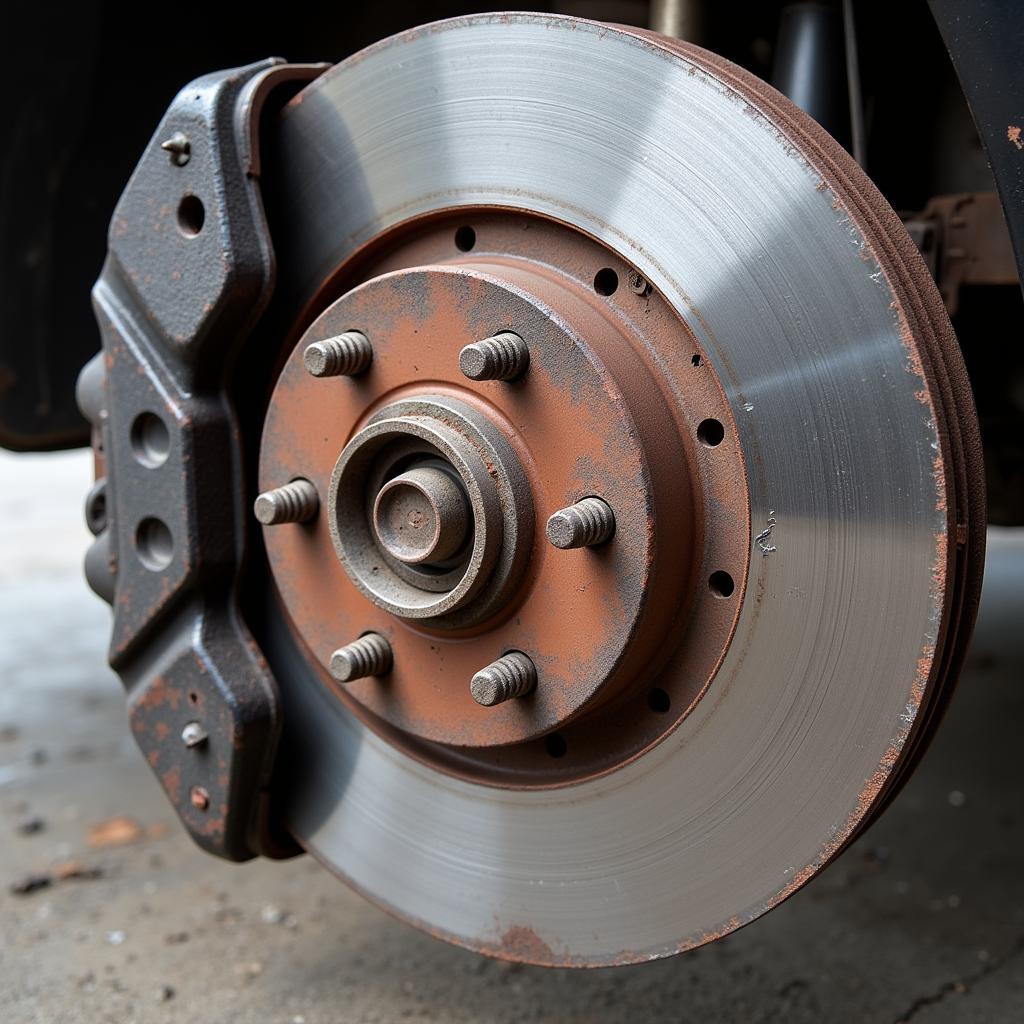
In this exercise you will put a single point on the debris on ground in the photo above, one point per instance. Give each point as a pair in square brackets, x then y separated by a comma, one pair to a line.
[29, 884]
[75, 870]
[117, 831]
[271, 914]
[71, 870]
[223, 914]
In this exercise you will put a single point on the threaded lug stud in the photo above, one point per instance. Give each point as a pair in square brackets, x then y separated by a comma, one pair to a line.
[370, 655]
[296, 502]
[512, 675]
[587, 523]
[501, 357]
[344, 356]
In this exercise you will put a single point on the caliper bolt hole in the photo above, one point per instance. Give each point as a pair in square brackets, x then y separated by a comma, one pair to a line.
[191, 216]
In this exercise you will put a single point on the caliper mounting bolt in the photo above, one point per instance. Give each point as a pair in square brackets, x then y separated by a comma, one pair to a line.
[179, 148]
[504, 356]
[194, 735]
[587, 523]
[370, 655]
[512, 675]
[296, 502]
[346, 355]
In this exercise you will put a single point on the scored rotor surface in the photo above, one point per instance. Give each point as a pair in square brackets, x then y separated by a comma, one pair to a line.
[765, 256]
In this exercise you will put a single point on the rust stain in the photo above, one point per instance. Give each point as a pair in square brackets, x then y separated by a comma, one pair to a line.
[522, 943]
[611, 407]
[117, 831]
[171, 781]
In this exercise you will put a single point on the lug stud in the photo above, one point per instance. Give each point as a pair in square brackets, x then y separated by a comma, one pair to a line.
[296, 502]
[512, 675]
[370, 655]
[504, 356]
[194, 735]
[346, 355]
[587, 523]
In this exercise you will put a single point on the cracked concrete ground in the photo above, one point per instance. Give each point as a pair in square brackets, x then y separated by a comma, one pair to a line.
[921, 920]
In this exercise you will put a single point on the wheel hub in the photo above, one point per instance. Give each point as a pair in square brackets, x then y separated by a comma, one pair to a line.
[510, 394]
[428, 504]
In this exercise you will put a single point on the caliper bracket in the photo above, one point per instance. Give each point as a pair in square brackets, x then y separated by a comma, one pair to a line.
[189, 271]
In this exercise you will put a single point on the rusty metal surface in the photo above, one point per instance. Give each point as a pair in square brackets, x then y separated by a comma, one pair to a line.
[611, 404]
[188, 271]
[854, 420]
[964, 241]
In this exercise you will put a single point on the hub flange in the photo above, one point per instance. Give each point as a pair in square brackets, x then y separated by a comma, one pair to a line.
[571, 411]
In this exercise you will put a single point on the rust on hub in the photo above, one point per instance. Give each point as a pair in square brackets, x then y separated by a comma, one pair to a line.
[432, 477]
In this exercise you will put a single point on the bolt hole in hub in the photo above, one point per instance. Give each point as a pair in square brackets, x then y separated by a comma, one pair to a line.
[516, 499]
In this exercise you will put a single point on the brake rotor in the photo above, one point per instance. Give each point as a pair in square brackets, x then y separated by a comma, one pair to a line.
[695, 311]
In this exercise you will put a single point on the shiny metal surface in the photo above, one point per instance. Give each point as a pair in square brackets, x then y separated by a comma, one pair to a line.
[824, 678]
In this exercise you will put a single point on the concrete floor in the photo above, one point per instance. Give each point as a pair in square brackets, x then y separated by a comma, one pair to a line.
[922, 920]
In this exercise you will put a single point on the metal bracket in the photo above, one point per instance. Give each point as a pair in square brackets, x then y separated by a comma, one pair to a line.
[189, 271]
[964, 241]
[984, 38]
